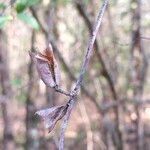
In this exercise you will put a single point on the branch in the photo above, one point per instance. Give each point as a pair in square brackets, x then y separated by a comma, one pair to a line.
[73, 94]
[90, 45]
[34, 13]
[82, 72]
[59, 90]
[65, 123]
[105, 71]
[71, 75]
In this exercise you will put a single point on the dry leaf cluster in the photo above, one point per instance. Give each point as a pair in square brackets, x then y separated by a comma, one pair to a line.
[49, 72]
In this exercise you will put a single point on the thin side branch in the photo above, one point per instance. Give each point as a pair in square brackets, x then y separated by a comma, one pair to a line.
[104, 69]
[59, 90]
[90, 44]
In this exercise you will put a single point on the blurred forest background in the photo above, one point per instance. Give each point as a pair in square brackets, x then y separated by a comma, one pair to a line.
[113, 109]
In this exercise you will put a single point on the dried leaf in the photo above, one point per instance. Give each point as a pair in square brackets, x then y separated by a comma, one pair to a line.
[43, 69]
[47, 66]
[52, 61]
[45, 73]
[50, 116]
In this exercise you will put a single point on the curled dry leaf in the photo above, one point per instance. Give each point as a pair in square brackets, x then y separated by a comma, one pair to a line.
[47, 66]
[50, 116]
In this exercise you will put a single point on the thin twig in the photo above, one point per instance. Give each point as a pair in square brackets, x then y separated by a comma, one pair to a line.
[34, 13]
[73, 94]
[83, 69]
[65, 123]
[71, 75]
[90, 44]
[59, 90]
[56, 88]
[104, 70]
[145, 38]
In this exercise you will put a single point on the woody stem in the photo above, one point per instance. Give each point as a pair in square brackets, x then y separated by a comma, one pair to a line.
[59, 90]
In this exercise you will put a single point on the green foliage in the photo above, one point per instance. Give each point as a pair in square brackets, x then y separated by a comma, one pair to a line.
[16, 82]
[32, 2]
[21, 97]
[2, 6]
[4, 20]
[21, 5]
[28, 19]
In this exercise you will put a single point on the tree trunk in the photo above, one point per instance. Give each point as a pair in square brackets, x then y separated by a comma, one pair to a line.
[8, 139]
[32, 142]
[138, 70]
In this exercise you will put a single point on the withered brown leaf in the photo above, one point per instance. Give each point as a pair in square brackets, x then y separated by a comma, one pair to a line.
[51, 115]
[47, 66]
